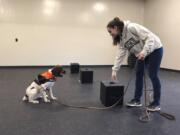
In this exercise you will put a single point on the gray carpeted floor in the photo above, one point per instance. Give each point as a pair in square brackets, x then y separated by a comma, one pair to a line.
[19, 118]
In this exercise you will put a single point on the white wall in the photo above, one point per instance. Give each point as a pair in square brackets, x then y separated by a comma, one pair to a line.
[61, 31]
[163, 17]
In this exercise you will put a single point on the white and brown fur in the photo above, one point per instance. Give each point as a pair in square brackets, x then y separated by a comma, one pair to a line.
[41, 87]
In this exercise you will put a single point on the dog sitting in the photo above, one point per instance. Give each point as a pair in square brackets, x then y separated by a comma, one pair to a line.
[41, 87]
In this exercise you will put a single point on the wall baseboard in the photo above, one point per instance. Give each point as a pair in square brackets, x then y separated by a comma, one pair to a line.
[83, 66]
[50, 66]
[173, 70]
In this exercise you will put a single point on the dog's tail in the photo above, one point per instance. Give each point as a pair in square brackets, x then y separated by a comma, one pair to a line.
[25, 98]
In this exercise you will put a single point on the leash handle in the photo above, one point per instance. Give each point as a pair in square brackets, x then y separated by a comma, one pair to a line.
[167, 115]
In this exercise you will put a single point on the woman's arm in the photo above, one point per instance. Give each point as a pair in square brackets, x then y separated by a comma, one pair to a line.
[120, 55]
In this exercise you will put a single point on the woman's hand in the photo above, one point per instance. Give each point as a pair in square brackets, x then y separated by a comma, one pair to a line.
[141, 56]
[114, 76]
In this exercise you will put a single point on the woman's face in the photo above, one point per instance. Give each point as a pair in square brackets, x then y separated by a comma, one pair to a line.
[113, 31]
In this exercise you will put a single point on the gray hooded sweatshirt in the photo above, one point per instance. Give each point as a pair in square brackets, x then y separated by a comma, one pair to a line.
[135, 38]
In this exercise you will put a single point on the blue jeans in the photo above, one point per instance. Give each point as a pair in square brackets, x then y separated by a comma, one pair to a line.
[152, 62]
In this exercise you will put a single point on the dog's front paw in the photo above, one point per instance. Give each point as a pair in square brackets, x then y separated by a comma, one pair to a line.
[34, 102]
[47, 101]
[54, 98]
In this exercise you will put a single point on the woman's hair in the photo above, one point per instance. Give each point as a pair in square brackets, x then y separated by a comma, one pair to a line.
[116, 22]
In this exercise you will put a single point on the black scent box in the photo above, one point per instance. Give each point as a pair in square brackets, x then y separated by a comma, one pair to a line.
[111, 92]
[74, 68]
[86, 76]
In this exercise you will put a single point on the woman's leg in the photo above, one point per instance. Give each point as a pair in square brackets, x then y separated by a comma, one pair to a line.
[140, 67]
[153, 67]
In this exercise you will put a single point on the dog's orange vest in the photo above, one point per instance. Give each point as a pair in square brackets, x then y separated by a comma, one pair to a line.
[48, 75]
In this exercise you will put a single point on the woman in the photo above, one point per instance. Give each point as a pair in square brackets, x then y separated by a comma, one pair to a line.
[147, 47]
